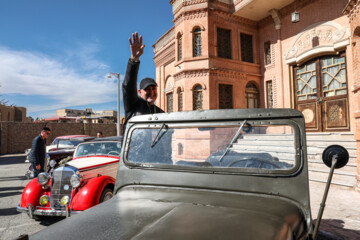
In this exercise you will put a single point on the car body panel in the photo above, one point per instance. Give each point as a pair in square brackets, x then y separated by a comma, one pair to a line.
[89, 195]
[179, 213]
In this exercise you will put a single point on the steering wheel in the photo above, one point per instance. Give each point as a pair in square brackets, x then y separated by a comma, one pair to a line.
[113, 153]
[261, 162]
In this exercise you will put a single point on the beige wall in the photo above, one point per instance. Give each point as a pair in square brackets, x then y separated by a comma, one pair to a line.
[17, 136]
[13, 113]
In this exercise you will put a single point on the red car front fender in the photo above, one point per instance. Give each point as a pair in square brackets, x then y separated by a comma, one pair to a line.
[89, 195]
[32, 193]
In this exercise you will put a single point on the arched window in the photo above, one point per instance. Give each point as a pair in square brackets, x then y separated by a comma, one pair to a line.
[180, 100]
[197, 42]
[252, 96]
[179, 47]
[198, 98]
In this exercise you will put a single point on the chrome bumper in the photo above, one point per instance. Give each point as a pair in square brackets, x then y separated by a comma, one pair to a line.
[46, 212]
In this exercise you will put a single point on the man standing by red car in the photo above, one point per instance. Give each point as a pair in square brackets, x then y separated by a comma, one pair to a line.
[38, 151]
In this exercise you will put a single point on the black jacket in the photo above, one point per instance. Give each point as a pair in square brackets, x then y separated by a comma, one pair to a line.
[38, 151]
[133, 104]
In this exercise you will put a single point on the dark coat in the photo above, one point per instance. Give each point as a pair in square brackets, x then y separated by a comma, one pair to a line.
[133, 104]
[38, 151]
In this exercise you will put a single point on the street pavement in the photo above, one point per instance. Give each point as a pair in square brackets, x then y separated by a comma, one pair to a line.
[341, 218]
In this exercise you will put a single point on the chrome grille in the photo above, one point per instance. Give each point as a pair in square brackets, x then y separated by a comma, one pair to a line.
[61, 178]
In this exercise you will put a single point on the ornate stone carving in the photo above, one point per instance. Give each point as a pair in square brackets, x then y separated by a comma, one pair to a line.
[327, 33]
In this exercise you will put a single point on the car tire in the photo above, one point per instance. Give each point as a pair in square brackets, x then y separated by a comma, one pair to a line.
[106, 195]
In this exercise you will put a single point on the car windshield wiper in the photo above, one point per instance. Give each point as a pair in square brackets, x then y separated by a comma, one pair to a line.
[232, 141]
[157, 138]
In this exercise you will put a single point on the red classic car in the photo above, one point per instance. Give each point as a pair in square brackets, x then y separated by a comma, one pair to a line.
[85, 181]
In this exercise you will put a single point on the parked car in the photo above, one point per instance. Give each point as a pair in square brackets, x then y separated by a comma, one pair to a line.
[64, 148]
[55, 144]
[64, 151]
[83, 182]
[217, 174]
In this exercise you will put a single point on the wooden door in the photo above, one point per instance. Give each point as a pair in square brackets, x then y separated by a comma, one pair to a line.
[321, 93]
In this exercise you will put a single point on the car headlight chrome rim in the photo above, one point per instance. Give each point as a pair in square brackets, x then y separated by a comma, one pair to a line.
[52, 163]
[75, 180]
[43, 178]
[44, 200]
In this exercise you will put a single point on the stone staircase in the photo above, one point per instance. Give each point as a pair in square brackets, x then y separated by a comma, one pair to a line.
[281, 145]
[316, 143]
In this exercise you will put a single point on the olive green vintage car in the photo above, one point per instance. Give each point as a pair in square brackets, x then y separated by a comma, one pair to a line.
[215, 174]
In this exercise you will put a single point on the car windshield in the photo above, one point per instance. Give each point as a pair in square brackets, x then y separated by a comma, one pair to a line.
[98, 148]
[250, 145]
[68, 143]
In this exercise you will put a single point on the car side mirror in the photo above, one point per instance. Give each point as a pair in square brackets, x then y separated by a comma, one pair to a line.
[341, 154]
[334, 156]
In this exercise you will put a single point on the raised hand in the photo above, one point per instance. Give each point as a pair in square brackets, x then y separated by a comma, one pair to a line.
[136, 46]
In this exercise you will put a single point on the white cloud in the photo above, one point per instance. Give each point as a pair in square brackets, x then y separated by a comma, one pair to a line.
[78, 79]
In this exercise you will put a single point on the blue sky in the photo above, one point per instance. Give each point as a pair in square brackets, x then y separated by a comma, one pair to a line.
[56, 54]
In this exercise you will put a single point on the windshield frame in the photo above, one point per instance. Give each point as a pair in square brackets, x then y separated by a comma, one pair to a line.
[96, 155]
[219, 170]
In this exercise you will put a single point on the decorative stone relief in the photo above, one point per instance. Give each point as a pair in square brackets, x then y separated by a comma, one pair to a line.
[327, 34]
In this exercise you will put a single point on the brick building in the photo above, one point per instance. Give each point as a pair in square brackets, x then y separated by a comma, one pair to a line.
[13, 114]
[299, 54]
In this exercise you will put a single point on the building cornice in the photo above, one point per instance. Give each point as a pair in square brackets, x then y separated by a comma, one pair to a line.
[352, 9]
[193, 14]
[196, 73]
[228, 17]
[166, 55]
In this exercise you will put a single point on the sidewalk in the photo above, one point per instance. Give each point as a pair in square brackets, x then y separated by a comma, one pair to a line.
[341, 217]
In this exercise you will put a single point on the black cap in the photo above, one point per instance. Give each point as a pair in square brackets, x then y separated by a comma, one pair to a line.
[147, 82]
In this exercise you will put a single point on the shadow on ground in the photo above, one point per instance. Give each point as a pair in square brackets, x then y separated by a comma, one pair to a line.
[333, 229]
[4, 160]
[8, 211]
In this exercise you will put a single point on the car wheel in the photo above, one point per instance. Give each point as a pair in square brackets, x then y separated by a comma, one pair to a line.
[106, 195]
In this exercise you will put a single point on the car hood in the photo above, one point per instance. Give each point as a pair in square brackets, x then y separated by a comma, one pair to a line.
[94, 161]
[174, 213]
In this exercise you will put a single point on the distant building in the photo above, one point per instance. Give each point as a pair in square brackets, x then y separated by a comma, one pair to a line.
[86, 116]
[13, 114]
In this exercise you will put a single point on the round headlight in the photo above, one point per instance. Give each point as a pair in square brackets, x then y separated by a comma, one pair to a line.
[43, 178]
[75, 180]
[44, 200]
[64, 200]
[52, 163]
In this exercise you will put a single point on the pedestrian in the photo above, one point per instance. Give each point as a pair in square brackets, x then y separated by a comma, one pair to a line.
[37, 154]
[99, 134]
[144, 103]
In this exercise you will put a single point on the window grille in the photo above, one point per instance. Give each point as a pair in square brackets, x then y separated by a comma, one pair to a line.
[225, 96]
[224, 43]
[197, 43]
[180, 100]
[267, 50]
[179, 48]
[270, 102]
[246, 48]
[198, 98]
[169, 99]
[252, 96]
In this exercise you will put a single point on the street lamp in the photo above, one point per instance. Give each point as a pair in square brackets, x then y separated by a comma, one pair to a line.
[117, 75]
